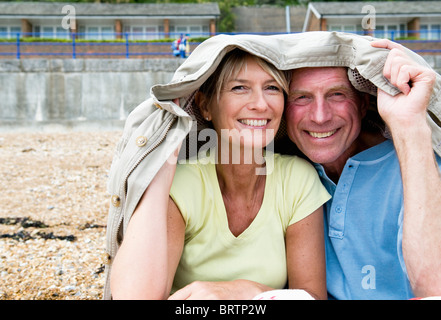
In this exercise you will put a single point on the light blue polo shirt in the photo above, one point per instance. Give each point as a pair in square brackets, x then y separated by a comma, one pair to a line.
[363, 228]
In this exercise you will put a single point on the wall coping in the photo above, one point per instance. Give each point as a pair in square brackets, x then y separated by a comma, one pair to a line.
[88, 65]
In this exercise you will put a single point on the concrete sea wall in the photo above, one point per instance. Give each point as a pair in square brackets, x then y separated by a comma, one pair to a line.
[54, 94]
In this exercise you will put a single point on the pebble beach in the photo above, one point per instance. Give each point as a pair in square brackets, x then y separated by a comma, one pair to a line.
[53, 214]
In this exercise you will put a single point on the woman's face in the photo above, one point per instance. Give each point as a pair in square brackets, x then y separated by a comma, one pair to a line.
[249, 109]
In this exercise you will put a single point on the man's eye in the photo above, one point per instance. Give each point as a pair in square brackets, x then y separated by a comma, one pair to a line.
[301, 100]
[338, 96]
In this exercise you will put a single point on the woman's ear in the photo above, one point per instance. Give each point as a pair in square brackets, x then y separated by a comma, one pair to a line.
[202, 103]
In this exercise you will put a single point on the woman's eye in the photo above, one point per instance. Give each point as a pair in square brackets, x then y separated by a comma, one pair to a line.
[274, 89]
[238, 88]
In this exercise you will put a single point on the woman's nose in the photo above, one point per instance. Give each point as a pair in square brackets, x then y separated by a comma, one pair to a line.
[258, 101]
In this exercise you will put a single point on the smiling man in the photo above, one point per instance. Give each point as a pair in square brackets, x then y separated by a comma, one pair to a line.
[383, 223]
[325, 113]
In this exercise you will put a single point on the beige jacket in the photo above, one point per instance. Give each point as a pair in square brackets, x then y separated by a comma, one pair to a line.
[156, 127]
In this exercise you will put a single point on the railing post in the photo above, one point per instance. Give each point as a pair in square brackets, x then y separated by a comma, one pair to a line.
[127, 45]
[74, 54]
[18, 45]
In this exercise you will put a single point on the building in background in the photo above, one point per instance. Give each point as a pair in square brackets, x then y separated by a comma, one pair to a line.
[393, 19]
[269, 19]
[105, 21]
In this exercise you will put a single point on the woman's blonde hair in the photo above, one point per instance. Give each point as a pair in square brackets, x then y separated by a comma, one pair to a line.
[230, 66]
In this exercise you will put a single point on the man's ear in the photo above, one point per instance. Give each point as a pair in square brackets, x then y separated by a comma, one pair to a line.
[202, 103]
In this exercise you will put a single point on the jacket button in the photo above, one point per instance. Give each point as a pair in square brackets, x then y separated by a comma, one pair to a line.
[106, 258]
[115, 201]
[141, 141]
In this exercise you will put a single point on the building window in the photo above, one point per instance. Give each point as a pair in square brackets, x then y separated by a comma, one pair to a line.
[3, 32]
[136, 33]
[350, 28]
[436, 32]
[430, 32]
[143, 32]
[403, 31]
[151, 33]
[107, 33]
[390, 31]
[192, 31]
[98, 32]
[196, 31]
[381, 31]
[8, 32]
[51, 32]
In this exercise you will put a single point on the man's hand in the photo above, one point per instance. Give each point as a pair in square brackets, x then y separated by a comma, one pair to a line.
[413, 80]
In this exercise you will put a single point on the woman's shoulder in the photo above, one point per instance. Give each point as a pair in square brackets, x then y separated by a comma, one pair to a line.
[294, 172]
[291, 162]
[198, 165]
[192, 187]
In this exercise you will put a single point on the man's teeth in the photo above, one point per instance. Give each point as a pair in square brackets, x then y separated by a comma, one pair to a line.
[321, 134]
[254, 123]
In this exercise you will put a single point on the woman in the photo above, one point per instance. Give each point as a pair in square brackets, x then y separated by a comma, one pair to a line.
[232, 232]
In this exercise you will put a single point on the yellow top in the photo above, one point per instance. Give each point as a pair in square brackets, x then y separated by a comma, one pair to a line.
[211, 252]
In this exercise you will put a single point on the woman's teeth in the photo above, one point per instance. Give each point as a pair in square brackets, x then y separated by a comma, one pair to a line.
[254, 123]
[321, 134]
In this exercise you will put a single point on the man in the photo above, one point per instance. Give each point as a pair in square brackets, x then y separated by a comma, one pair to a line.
[383, 223]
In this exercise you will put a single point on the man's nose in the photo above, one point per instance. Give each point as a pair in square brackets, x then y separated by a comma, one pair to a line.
[321, 111]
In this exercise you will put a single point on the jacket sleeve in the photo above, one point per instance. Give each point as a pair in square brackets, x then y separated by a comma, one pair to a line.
[151, 133]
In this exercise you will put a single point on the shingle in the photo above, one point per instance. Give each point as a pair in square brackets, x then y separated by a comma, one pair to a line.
[107, 9]
[381, 7]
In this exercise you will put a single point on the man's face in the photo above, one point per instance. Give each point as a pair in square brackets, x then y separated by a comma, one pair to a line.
[324, 114]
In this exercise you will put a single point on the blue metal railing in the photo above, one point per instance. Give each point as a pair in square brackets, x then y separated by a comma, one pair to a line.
[75, 41]
[128, 44]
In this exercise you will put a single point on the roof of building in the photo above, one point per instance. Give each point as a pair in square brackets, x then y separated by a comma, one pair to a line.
[381, 7]
[109, 9]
